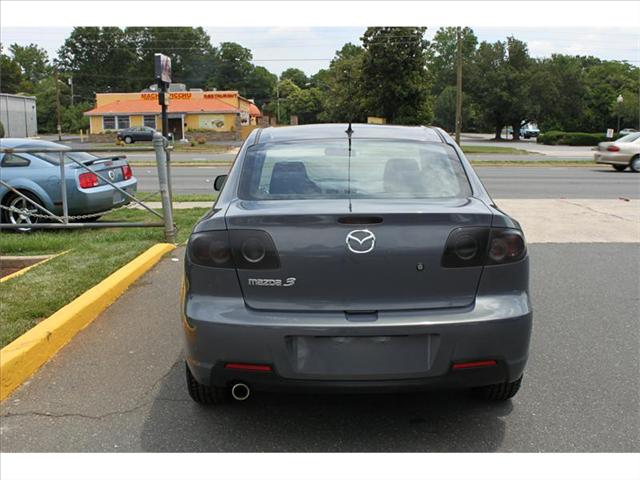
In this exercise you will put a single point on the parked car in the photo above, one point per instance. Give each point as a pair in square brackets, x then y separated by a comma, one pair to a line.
[627, 131]
[623, 153]
[366, 262]
[529, 131]
[37, 175]
[135, 134]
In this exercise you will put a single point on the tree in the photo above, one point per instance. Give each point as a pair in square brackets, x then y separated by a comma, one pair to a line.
[442, 56]
[33, 62]
[232, 68]
[261, 85]
[296, 75]
[306, 104]
[192, 55]
[394, 73]
[501, 89]
[444, 110]
[100, 60]
[10, 74]
[343, 96]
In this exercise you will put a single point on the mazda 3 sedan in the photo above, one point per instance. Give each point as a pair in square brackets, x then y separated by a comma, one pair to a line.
[354, 258]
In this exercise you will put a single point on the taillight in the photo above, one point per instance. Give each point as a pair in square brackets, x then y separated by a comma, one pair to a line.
[244, 249]
[476, 246]
[613, 148]
[505, 246]
[88, 180]
[127, 173]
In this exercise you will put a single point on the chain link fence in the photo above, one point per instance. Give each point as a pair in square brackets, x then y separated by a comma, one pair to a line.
[27, 213]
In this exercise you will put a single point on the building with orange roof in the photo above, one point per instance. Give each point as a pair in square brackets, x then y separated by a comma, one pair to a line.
[214, 114]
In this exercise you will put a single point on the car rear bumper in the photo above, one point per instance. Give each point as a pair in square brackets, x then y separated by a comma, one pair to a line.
[327, 352]
[612, 158]
[99, 199]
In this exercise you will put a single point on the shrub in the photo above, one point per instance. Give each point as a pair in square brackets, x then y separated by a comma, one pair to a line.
[201, 140]
[578, 139]
[1, 130]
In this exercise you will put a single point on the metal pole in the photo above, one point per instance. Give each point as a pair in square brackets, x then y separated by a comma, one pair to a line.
[59, 126]
[459, 88]
[161, 160]
[63, 190]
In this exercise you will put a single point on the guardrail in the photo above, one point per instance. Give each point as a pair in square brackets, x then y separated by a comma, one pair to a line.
[66, 221]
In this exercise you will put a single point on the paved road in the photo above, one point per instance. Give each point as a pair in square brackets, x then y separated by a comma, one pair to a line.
[119, 386]
[502, 182]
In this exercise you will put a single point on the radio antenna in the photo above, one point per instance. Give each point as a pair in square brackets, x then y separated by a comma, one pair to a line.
[349, 132]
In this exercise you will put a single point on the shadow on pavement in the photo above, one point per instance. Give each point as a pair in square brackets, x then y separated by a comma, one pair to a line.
[432, 421]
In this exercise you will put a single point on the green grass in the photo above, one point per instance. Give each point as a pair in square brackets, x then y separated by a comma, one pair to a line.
[93, 255]
[492, 149]
[181, 197]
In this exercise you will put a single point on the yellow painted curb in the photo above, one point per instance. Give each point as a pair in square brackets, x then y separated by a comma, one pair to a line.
[27, 353]
[26, 269]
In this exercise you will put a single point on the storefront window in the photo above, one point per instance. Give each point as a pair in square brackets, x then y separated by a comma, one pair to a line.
[149, 121]
[123, 122]
[108, 122]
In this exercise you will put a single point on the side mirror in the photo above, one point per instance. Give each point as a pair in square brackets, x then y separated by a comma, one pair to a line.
[218, 183]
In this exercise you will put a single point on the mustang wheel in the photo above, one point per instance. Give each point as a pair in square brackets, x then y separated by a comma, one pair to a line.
[499, 391]
[205, 395]
[25, 215]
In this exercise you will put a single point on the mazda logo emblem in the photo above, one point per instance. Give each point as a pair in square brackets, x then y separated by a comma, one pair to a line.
[361, 241]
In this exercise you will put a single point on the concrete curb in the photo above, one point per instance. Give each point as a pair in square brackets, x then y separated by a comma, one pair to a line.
[27, 353]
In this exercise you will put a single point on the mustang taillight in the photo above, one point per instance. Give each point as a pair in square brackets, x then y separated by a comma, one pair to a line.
[476, 246]
[244, 249]
[127, 173]
[88, 180]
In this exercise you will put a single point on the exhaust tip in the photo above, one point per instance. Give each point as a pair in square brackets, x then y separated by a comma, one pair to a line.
[240, 392]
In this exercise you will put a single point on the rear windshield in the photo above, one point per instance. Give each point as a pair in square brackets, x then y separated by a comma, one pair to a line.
[632, 137]
[378, 169]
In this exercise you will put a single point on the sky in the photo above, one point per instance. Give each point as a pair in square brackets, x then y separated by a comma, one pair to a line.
[311, 48]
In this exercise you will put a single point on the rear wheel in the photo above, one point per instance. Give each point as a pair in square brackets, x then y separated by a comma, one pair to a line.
[205, 395]
[26, 212]
[499, 391]
[619, 168]
[635, 164]
[128, 140]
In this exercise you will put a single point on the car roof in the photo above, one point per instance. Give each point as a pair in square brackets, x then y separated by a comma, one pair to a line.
[28, 143]
[338, 130]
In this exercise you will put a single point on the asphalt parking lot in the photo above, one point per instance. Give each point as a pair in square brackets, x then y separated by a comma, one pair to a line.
[119, 385]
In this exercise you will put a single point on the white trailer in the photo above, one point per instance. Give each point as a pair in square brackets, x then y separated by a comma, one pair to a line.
[18, 115]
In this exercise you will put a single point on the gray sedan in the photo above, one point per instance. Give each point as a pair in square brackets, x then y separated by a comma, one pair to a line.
[37, 176]
[354, 259]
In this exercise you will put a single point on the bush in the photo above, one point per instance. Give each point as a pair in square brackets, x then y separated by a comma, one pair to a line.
[578, 139]
[201, 140]
[1, 130]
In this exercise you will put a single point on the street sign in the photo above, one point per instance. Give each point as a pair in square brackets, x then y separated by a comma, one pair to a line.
[609, 132]
[163, 68]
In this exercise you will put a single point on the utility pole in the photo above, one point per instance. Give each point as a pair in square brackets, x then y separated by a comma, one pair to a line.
[59, 126]
[71, 85]
[459, 87]
[277, 103]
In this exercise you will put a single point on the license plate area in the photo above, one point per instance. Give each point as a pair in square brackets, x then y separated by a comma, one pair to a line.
[362, 357]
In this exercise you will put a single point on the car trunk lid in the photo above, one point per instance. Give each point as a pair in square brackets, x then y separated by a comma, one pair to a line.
[402, 269]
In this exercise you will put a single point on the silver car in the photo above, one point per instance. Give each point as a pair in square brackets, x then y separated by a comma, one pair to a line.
[623, 153]
[354, 259]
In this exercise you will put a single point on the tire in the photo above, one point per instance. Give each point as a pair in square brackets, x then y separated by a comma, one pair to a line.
[205, 395]
[128, 140]
[16, 201]
[619, 168]
[634, 164]
[499, 391]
